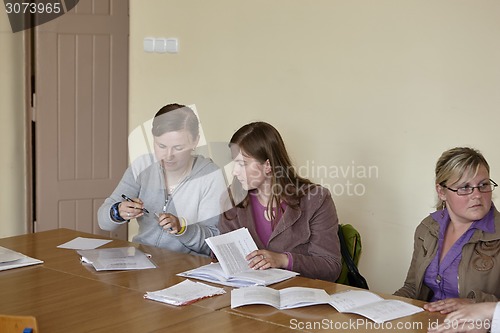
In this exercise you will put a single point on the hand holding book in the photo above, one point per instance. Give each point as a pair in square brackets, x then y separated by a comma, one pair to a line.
[264, 259]
[233, 269]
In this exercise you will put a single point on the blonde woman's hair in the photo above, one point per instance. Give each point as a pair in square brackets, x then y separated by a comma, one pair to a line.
[457, 162]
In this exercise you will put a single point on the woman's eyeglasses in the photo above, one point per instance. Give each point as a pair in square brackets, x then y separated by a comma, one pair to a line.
[466, 190]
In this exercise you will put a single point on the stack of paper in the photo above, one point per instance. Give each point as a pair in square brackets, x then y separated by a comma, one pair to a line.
[119, 258]
[12, 259]
[184, 293]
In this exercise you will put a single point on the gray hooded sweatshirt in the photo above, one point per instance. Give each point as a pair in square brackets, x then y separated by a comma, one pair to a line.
[197, 199]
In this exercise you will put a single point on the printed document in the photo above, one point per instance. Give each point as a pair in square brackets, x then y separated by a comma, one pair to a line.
[183, 293]
[361, 302]
[372, 306]
[232, 269]
[11, 259]
[120, 258]
[288, 298]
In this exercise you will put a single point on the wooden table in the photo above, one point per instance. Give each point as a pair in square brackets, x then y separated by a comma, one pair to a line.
[43, 246]
[67, 296]
[64, 302]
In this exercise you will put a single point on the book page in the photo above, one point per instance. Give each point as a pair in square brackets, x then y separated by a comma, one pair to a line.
[371, 305]
[211, 272]
[265, 277]
[350, 299]
[255, 295]
[288, 298]
[386, 310]
[231, 249]
[294, 297]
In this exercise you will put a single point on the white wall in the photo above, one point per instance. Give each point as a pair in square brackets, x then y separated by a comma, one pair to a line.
[382, 86]
[12, 131]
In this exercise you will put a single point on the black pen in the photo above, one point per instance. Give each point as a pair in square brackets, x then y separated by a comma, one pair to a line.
[130, 200]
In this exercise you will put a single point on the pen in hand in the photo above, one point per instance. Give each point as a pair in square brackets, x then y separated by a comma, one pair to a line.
[130, 200]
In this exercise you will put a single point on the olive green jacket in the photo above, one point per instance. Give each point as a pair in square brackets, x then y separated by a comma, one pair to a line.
[478, 271]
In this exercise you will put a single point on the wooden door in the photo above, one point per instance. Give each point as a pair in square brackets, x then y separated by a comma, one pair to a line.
[80, 114]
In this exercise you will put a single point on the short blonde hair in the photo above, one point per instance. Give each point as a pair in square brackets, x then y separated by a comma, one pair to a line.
[457, 162]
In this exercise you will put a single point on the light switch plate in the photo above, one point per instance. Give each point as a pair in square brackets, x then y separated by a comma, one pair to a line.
[172, 45]
[149, 44]
[161, 45]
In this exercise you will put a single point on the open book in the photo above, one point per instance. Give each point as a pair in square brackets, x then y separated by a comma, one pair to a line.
[119, 258]
[11, 259]
[183, 293]
[232, 269]
[361, 302]
[288, 298]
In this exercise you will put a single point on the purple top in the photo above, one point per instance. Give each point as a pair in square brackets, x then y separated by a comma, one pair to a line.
[263, 226]
[442, 277]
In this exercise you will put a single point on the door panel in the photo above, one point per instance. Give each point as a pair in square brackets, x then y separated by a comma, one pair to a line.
[81, 78]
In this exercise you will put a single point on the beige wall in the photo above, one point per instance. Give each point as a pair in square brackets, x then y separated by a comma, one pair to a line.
[12, 131]
[367, 94]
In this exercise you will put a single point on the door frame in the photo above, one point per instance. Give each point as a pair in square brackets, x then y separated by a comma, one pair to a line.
[29, 131]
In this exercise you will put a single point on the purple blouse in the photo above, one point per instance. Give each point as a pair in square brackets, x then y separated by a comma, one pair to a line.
[442, 277]
[263, 226]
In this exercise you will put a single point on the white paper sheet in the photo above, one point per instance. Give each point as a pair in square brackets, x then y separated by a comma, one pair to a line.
[82, 243]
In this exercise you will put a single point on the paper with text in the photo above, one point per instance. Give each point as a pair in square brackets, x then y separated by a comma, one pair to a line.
[120, 258]
[183, 293]
[288, 298]
[231, 249]
[232, 267]
[372, 306]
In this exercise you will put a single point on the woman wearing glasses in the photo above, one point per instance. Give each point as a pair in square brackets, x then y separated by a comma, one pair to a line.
[456, 256]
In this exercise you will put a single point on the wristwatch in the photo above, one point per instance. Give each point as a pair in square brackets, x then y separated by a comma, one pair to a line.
[115, 213]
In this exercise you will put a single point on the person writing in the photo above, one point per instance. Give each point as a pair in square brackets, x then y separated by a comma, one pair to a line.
[293, 221]
[175, 196]
[456, 249]
[479, 317]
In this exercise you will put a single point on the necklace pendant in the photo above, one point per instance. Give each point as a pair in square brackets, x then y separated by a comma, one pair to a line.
[438, 279]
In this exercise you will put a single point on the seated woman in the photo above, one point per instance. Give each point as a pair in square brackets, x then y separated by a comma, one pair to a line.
[293, 221]
[456, 256]
[175, 197]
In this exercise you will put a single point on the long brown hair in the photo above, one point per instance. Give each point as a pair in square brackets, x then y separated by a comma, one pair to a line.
[263, 142]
